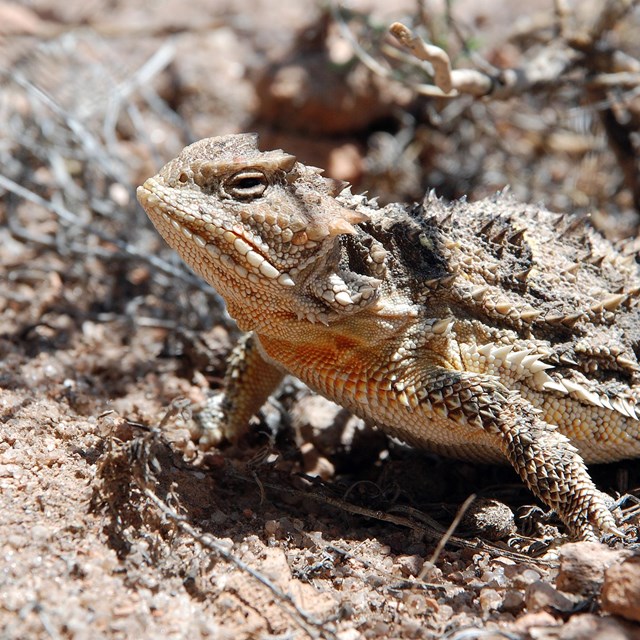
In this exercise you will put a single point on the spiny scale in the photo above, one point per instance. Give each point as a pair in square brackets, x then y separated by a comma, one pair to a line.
[490, 331]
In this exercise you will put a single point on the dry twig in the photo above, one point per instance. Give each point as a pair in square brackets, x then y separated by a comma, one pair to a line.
[547, 67]
[314, 628]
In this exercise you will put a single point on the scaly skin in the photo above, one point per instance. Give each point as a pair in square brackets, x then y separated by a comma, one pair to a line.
[489, 331]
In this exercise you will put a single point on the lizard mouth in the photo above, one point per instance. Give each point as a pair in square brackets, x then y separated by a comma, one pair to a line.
[231, 248]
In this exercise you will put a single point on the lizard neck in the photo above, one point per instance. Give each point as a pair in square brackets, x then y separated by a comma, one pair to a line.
[300, 346]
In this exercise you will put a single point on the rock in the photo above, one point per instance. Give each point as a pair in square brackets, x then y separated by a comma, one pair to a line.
[582, 626]
[315, 464]
[522, 576]
[541, 596]
[621, 589]
[490, 600]
[19, 21]
[410, 566]
[591, 627]
[489, 518]
[582, 566]
[314, 412]
[529, 624]
[513, 601]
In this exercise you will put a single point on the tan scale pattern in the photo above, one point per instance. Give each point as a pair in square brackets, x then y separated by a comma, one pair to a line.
[489, 331]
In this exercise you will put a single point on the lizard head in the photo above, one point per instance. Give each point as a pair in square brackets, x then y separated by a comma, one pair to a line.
[255, 225]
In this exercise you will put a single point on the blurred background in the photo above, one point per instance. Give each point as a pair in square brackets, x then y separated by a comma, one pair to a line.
[102, 327]
[96, 95]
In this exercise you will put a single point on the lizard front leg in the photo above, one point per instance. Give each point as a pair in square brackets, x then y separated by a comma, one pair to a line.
[249, 381]
[544, 458]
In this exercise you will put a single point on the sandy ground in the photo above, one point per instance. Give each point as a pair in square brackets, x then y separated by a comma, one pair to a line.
[114, 524]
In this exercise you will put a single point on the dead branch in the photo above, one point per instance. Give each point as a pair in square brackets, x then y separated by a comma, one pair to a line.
[571, 48]
[142, 467]
[426, 527]
[545, 68]
[123, 248]
[314, 628]
[609, 78]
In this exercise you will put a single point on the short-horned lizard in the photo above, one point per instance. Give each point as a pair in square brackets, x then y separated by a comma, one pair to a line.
[489, 331]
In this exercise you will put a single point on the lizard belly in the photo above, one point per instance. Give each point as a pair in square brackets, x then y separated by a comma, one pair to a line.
[390, 396]
[599, 433]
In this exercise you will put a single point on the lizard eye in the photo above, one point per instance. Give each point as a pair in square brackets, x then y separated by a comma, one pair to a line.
[246, 185]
